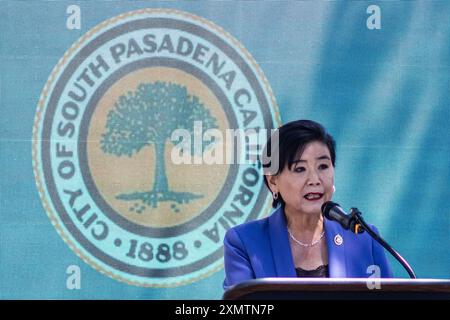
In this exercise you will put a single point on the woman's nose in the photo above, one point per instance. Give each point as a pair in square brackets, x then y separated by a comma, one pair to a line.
[313, 179]
[314, 183]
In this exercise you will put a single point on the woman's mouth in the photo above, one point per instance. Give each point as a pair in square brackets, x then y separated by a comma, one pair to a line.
[313, 196]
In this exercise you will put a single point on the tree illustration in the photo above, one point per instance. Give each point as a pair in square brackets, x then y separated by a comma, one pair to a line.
[147, 117]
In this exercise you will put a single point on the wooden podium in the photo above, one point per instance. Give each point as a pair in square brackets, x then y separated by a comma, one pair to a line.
[340, 289]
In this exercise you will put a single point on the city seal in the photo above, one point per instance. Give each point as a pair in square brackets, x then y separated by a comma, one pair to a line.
[103, 145]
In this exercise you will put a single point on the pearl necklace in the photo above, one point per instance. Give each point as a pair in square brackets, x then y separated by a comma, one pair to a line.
[306, 244]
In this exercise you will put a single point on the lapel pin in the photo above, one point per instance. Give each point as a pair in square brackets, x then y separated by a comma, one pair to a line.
[338, 239]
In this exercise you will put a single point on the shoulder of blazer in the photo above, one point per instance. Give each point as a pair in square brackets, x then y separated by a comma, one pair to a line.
[256, 226]
[252, 227]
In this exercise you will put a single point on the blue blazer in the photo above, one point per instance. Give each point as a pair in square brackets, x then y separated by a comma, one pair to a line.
[260, 249]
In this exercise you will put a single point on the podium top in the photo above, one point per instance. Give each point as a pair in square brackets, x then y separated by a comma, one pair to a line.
[340, 288]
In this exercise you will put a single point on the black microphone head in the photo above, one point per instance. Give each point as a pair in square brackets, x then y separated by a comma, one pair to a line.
[326, 207]
[333, 211]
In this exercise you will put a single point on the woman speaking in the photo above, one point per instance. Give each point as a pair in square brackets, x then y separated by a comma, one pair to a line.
[296, 240]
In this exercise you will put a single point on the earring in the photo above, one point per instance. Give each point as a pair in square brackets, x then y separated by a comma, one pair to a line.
[334, 189]
[275, 195]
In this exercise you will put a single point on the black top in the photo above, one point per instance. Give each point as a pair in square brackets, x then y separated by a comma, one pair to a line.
[320, 272]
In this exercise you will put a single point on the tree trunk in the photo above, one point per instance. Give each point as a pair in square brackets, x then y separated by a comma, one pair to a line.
[160, 184]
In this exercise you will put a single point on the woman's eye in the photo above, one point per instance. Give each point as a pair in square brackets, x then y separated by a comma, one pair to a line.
[323, 166]
[299, 169]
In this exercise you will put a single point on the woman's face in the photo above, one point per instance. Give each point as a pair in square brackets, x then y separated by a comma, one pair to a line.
[309, 182]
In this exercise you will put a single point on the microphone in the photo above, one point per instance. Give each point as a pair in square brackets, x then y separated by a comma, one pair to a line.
[332, 211]
[355, 223]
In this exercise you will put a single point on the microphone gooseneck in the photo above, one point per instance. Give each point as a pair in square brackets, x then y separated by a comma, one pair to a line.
[355, 223]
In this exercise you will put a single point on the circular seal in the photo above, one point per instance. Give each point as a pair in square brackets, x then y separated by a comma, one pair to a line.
[120, 139]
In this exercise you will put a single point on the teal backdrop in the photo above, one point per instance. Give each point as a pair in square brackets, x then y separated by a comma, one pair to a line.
[384, 95]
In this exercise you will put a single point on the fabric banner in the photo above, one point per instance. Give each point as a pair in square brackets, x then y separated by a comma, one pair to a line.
[124, 155]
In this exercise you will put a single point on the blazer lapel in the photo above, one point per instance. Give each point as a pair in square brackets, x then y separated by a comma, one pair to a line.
[336, 249]
[281, 250]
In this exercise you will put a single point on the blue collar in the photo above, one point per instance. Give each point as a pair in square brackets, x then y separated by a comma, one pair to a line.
[281, 249]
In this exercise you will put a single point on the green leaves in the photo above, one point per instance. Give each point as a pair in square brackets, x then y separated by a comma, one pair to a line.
[149, 115]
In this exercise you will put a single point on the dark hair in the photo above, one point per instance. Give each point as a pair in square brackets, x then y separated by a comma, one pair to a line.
[292, 140]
